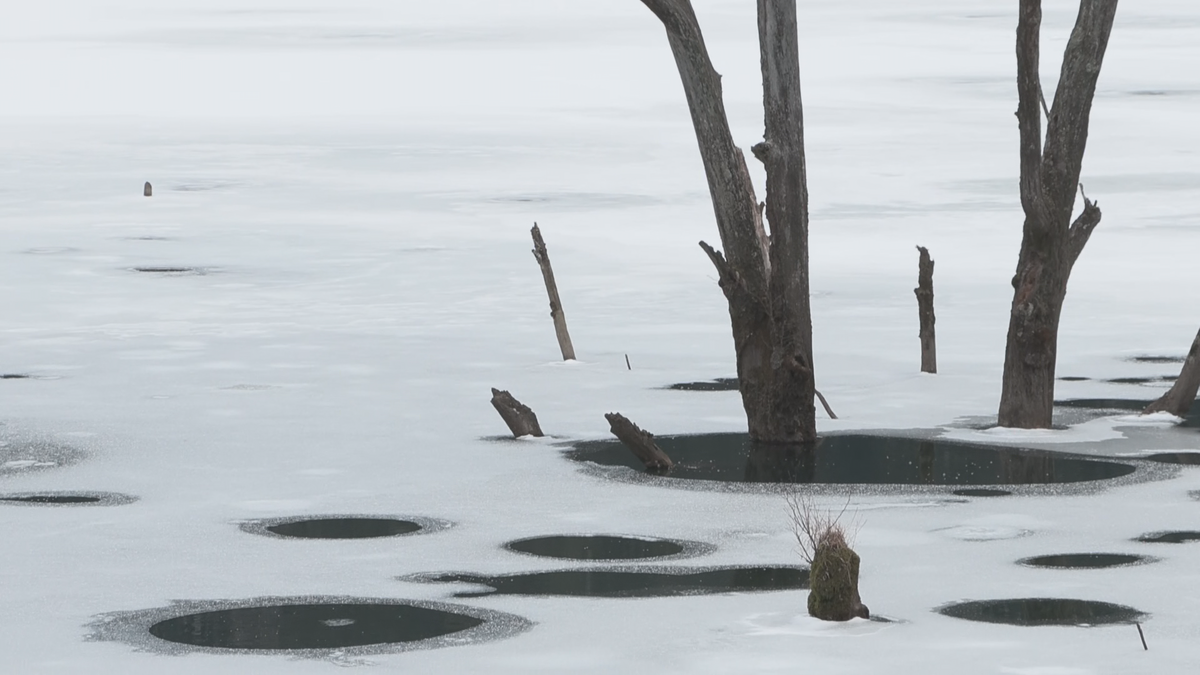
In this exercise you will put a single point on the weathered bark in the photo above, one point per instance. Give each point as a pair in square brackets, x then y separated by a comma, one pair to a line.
[1178, 400]
[518, 416]
[1049, 178]
[640, 442]
[765, 280]
[833, 582]
[924, 291]
[147, 190]
[556, 311]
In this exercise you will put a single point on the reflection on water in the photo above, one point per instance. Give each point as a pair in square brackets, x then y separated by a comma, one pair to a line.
[606, 583]
[316, 626]
[596, 547]
[856, 458]
[1043, 612]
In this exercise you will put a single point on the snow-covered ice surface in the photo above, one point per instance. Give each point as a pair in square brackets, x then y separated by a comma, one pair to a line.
[352, 184]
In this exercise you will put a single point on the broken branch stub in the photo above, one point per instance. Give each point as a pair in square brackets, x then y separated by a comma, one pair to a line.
[924, 291]
[556, 311]
[1178, 400]
[640, 442]
[519, 417]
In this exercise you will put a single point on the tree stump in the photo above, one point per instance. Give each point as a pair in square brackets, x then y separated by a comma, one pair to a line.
[640, 442]
[556, 311]
[833, 581]
[924, 291]
[1178, 400]
[520, 419]
[147, 191]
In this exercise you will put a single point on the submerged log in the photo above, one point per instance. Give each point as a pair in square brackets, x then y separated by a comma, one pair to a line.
[640, 442]
[518, 416]
[556, 311]
[1178, 400]
[924, 291]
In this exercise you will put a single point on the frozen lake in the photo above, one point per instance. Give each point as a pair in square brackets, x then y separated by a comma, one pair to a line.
[339, 270]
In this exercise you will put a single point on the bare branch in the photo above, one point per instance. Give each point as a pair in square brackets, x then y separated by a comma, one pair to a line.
[1081, 230]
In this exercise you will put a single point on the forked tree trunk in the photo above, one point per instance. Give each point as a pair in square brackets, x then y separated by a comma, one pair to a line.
[765, 280]
[924, 291]
[1049, 178]
[1178, 400]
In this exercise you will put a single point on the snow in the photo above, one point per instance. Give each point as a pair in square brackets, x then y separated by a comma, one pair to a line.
[354, 185]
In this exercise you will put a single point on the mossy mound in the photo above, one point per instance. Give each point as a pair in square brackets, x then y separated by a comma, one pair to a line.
[833, 581]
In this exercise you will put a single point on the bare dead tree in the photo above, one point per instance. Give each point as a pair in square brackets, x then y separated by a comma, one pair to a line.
[639, 441]
[1178, 400]
[1049, 179]
[924, 291]
[765, 279]
[556, 310]
[519, 417]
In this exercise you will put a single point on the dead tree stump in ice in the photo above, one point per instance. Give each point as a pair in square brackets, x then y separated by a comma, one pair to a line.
[147, 191]
[518, 416]
[924, 291]
[640, 442]
[556, 311]
[1179, 399]
[833, 580]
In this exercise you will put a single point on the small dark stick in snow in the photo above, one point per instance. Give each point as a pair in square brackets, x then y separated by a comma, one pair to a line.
[825, 403]
[1141, 635]
[924, 291]
[627, 362]
[640, 442]
[520, 419]
[147, 191]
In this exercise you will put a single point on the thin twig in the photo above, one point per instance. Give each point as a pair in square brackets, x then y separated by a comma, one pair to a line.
[1042, 98]
[1141, 635]
[825, 403]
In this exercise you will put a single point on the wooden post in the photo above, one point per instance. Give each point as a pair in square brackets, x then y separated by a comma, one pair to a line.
[519, 418]
[640, 442]
[556, 311]
[147, 191]
[924, 291]
[1178, 400]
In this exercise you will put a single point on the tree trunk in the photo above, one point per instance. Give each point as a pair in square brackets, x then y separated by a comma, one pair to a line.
[765, 280]
[1178, 400]
[924, 291]
[1049, 178]
[640, 442]
[556, 311]
[519, 417]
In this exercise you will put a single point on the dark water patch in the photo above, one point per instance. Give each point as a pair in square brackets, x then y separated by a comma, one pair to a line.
[1074, 378]
[66, 499]
[1174, 457]
[1119, 405]
[605, 547]
[982, 492]
[856, 459]
[1043, 612]
[641, 582]
[1172, 537]
[342, 526]
[24, 455]
[719, 384]
[1157, 359]
[1142, 380]
[13, 376]
[320, 627]
[316, 626]
[1077, 561]
[176, 271]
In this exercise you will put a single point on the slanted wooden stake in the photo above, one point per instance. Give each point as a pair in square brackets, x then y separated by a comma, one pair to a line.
[556, 311]
[519, 418]
[640, 442]
[924, 291]
[1179, 399]
[147, 191]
